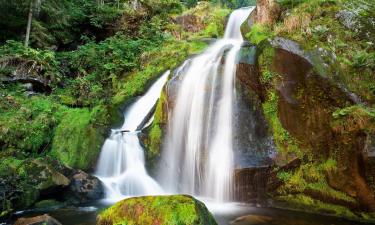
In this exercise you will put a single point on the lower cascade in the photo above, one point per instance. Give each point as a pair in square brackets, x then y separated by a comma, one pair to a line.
[121, 165]
[197, 156]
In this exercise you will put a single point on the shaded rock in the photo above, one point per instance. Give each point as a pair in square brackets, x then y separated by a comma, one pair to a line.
[251, 184]
[48, 204]
[84, 188]
[37, 84]
[166, 210]
[38, 220]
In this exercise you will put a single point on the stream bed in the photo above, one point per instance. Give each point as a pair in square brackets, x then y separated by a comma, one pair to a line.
[225, 214]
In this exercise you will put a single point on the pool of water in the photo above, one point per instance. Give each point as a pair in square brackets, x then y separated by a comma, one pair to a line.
[225, 214]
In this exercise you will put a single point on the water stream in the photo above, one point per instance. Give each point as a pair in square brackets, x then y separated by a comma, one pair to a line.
[198, 153]
[121, 165]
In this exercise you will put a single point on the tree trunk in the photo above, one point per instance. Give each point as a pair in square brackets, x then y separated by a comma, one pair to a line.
[29, 20]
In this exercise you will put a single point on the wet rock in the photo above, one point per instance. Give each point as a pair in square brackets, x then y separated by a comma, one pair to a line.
[30, 181]
[166, 210]
[252, 220]
[48, 204]
[84, 188]
[306, 103]
[251, 184]
[38, 220]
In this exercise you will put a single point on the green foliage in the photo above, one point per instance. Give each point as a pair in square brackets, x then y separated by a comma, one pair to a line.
[258, 33]
[26, 123]
[28, 61]
[55, 22]
[168, 210]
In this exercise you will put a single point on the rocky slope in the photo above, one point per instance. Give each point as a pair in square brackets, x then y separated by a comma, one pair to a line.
[318, 101]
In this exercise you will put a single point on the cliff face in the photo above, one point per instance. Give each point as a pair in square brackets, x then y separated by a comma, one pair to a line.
[315, 115]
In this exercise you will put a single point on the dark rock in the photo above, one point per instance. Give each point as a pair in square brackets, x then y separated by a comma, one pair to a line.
[38, 220]
[254, 183]
[251, 184]
[306, 103]
[84, 188]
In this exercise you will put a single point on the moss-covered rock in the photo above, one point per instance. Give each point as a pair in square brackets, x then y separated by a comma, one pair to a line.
[78, 138]
[166, 210]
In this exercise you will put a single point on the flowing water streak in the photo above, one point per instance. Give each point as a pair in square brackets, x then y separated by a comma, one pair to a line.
[121, 165]
[197, 157]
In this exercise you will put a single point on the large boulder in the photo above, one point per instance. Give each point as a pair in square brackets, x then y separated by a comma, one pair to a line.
[166, 210]
[84, 188]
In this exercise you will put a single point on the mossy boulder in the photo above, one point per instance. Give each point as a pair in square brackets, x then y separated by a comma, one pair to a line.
[79, 136]
[166, 210]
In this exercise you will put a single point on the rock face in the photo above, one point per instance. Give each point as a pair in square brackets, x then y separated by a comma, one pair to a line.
[84, 188]
[166, 210]
[38, 220]
[306, 104]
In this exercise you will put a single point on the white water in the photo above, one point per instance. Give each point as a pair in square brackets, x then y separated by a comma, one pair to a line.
[198, 153]
[121, 165]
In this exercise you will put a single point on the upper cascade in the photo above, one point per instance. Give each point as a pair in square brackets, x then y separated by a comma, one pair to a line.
[198, 150]
[236, 19]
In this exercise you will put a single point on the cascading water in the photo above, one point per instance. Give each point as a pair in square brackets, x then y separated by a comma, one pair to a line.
[198, 156]
[121, 165]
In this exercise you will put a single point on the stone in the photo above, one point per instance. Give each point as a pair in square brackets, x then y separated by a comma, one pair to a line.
[166, 210]
[38, 220]
[252, 220]
[84, 188]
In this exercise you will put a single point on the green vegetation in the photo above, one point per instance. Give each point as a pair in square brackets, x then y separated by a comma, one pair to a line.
[309, 204]
[352, 47]
[85, 59]
[168, 210]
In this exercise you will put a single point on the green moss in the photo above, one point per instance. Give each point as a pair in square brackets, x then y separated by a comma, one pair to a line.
[77, 140]
[306, 203]
[310, 178]
[286, 144]
[350, 56]
[155, 132]
[167, 210]
[356, 117]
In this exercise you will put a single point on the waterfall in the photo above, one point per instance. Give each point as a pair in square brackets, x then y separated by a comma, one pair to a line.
[121, 165]
[198, 151]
